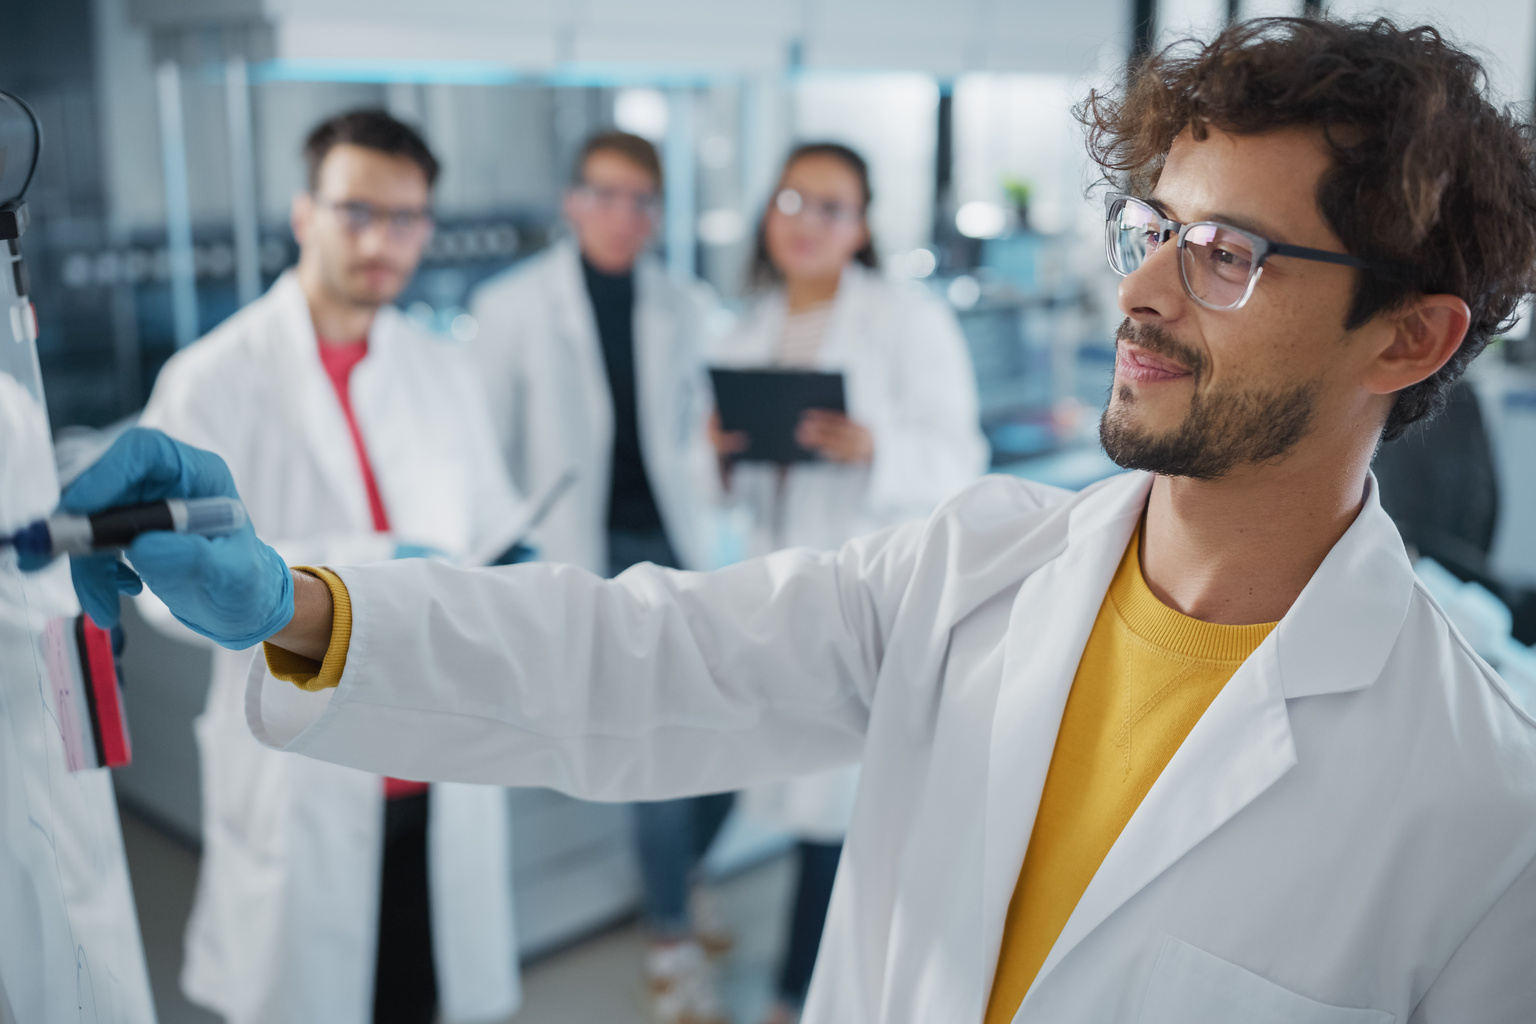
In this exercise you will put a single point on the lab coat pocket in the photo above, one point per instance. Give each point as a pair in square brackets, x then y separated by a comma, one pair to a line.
[1191, 986]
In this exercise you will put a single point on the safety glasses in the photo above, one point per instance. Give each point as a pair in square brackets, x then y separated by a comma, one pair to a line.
[792, 202]
[405, 224]
[1220, 264]
[602, 197]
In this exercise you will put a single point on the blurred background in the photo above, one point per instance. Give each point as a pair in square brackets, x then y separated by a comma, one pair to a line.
[173, 130]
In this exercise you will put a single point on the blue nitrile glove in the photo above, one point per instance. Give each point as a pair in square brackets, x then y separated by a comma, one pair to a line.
[517, 554]
[407, 550]
[234, 590]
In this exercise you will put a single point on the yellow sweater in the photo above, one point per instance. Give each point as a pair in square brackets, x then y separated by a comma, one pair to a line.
[306, 673]
[1146, 676]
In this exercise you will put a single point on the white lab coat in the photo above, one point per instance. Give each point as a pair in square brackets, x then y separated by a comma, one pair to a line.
[541, 363]
[283, 928]
[908, 378]
[1345, 837]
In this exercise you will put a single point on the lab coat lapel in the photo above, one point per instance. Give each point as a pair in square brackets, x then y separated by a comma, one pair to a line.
[1240, 747]
[1341, 630]
[410, 451]
[1052, 616]
[313, 404]
[755, 343]
[656, 364]
[846, 326]
[576, 325]
[1335, 638]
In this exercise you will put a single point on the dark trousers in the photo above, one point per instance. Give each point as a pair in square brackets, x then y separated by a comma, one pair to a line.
[405, 982]
[818, 867]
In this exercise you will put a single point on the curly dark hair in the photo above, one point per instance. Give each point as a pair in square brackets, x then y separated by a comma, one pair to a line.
[1428, 174]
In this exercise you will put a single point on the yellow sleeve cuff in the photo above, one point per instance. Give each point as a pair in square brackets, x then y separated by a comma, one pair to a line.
[306, 673]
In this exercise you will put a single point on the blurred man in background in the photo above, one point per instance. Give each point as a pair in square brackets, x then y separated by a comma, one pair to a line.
[592, 358]
[354, 437]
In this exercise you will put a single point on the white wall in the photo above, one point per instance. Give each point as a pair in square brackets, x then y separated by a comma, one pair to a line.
[1021, 126]
[1178, 19]
[1269, 8]
[1501, 32]
[943, 38]
[130, 131]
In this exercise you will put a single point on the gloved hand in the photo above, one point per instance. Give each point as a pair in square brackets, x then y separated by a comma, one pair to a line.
[234, 590]
[517, 554]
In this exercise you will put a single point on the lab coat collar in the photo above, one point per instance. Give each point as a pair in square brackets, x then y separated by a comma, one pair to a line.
[1336, 638]
[1339, 633]
[846, 324]
[578, 322]
[578, 326]
[311, 397]
[566, 257]
[758, 342]
[299, 327]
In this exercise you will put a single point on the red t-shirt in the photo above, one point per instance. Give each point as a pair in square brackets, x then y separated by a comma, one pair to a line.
[339, 359]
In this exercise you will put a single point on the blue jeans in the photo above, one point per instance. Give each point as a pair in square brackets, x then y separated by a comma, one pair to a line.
[671, 836]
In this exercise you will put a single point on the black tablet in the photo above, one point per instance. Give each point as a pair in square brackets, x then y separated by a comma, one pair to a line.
[766, 405]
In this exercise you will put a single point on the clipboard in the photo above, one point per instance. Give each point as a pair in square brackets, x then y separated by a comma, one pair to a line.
[766, 405]
[534, 513]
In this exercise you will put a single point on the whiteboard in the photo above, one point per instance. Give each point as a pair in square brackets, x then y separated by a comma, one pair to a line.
[70, 948]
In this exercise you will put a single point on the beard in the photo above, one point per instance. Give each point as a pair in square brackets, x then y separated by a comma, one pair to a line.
[1224, 428]
[347, 280]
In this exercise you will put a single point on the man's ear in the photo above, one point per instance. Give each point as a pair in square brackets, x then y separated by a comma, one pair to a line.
[1424, 332]
[300, 212]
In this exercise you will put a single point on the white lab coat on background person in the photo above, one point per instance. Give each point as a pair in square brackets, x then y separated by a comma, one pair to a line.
[908, 378]
[284, 924]
[1347, 835]
[541, 363]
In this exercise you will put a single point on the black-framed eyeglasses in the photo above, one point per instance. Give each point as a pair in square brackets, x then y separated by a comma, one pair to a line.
[791, 202]
[403, 224]
[1220, 264]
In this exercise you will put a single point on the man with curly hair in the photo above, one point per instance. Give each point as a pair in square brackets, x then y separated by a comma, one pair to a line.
[1190, 746]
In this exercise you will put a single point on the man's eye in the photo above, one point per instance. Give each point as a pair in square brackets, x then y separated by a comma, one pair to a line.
[1151, 237]
[1229, 258]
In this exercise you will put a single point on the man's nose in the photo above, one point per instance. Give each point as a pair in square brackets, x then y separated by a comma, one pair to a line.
[1154, 290]
[375, 237]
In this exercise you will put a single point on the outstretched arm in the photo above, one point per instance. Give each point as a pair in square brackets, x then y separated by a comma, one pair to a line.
[653, 685]
[659, 683]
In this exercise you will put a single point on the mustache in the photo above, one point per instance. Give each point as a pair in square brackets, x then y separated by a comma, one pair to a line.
[1160, 343]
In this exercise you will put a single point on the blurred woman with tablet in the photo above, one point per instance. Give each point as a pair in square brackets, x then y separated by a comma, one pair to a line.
[909, 439]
